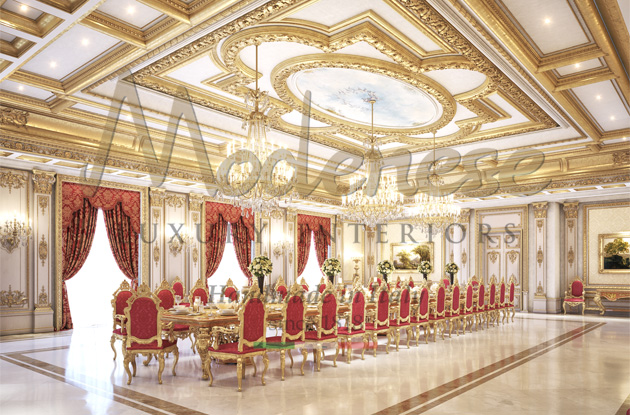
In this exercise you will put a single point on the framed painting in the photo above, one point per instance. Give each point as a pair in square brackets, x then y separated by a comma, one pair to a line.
[407, 257]
[614, 253]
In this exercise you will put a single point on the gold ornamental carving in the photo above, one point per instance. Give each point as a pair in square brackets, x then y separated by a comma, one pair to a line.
[156, 255]
[156, 215]
[452, 257]
[42, 250]
[621, 157]
[12, 180]
[464, 217]
[157, 196]
[42, 299]
[571, 224]
[195, 202]
[512, 256]
[370, 260]
[42, 201]
[43, 181]
[12, 298]
[493, 256]
[571, 256]
[371, 232]
[540, 209]
[540, 223]
[571, 210]
[464, 257]
[175, 201]
[195, 217]
[540, 256]
[11, 116]
[195, 255]
[540, 291]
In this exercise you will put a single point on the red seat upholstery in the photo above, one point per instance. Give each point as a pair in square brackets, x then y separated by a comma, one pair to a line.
[575, 296]
[233, 348]
[153, 345]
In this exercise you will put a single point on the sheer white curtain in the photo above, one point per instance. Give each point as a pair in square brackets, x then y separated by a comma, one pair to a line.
[312, 273]
[228, 269]
[90, 291]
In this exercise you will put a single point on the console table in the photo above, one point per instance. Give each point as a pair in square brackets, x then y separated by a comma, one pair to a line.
[610, 294]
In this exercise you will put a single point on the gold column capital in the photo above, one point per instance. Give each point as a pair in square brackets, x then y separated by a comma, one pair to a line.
[464, 216]
[540, 209]
[571, 209]
[157, 196]
[195, 200]
[43, 181]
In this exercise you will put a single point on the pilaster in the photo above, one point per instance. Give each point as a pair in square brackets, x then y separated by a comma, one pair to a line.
[540, 245]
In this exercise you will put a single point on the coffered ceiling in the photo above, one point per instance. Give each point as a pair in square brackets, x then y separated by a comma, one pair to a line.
[500, 75]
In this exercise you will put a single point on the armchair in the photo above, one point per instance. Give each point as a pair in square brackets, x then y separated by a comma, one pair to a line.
[166, 295]
[421, 317]
[491, 307]
[381, 319]
[326, 326]
[510, 302]
[304, 284]
[281, 287]
[502, 302]
[230, 291]
[251, 331]
[451, 316]
[119, 303]
[200, 289]
[436, 317]
[480, 309]
[574, 297]
[403, 316]
[179, 288]
[466, 310]
[355, 322]
[144, 331]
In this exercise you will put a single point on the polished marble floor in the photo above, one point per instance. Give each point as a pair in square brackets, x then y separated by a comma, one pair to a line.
[537, 365]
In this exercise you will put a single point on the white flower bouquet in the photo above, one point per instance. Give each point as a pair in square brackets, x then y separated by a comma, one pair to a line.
[385, 267]
[451, 268]
[260, 266]
[425, 267]
[331, 267]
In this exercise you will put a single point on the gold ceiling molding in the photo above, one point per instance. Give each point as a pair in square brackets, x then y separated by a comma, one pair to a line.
[12, 116]
[283, 71]
[621, 157]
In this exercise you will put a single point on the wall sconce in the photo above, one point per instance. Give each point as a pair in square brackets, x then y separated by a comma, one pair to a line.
[179, 241]
[356, 260]
[279, 248]
[13, 233]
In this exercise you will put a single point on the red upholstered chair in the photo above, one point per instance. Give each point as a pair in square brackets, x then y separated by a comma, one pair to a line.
[511, 295]
[375, 282]
[251, 332]
[420, 318]
[167, 299]
[398, 282]
[466, 309]
[326, 326]
[480, 307]
[355, 322]
[293, 327]
[381, 319]
[451, 315]
[304, 284]
[322, 285]
[491, 307]
[230, 291]
[402, 320]
[411, 284]
[574, 297]
[281, 287]
[502, 301]
[179, 288]
[119, 303]
[436, 316]
[446, 282]
[144, 331]
[199, 290]
[475, 282]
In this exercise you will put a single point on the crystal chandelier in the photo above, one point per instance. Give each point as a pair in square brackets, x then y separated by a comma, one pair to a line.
[258, 184]
[13, 233]
[375, 199]
[434, 213]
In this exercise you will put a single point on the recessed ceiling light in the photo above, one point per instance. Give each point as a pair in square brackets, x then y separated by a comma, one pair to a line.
[577, 65]
[23, 7]
[598, 97]
[21, 87]
[612, 118]
[131, 10]
[85, 41]
[53, 64]
[547, 20]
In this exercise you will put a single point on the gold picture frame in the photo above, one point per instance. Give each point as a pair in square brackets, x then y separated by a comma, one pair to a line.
[411, 263]
[610, 263]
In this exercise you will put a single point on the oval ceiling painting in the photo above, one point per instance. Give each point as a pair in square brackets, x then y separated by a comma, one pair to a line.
[345, 93]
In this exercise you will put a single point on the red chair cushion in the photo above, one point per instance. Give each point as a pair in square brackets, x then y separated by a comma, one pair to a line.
[344, 330]
[395, 323]
[574, 300]
[370, 326]
[434, 318]
[312, 335]
[151, 346]
[576, 288]
[448, 314]
[120, 332]
[276, 340]
[416, 320]
[233, 348]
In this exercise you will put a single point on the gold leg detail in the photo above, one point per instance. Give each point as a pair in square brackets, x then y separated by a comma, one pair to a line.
[336, 354]
[304, 356]
[239, 373]
[253, 364]
[111, 342]
[291, 358]
[161, 366]
[176, 354]
[126, 363]
[282, 363]
[266, 363]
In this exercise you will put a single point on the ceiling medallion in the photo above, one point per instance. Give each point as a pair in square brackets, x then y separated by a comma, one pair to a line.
[375, 199]
[260, 176]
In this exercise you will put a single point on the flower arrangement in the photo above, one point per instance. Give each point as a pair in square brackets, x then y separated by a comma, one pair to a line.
[260, 266]
[331, 267]
[451, 268]
[425, 267]
[385, 267]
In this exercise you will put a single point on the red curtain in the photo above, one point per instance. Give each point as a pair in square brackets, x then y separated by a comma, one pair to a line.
[242, 241]
[215, 245]
[320, 226]
[124, 242]
[77, 241]
[218, 215]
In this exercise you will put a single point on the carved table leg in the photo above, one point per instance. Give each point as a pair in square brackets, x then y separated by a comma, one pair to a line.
[203, 342]
[598, 301]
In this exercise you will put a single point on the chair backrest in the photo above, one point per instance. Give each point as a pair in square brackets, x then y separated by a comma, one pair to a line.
[294, 314]
[199, 290]
[398, 282]
[502, 292]
[252, 317]
[512, 290]
[423, 305]
[411, 284]
[281, 287]
[230, 291]
[327, 310]
[178, 287]
[474, 281]
[166, 295]
[143, 317]
[470, 292]
[493, 293]
[440, 300]
[577, 288]
[322, 285]
[119, 302]
[455, 298]
[357, 310]
[382, 307]
[446, 282]
[304, 284]
[404, 305]
[481, 296]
